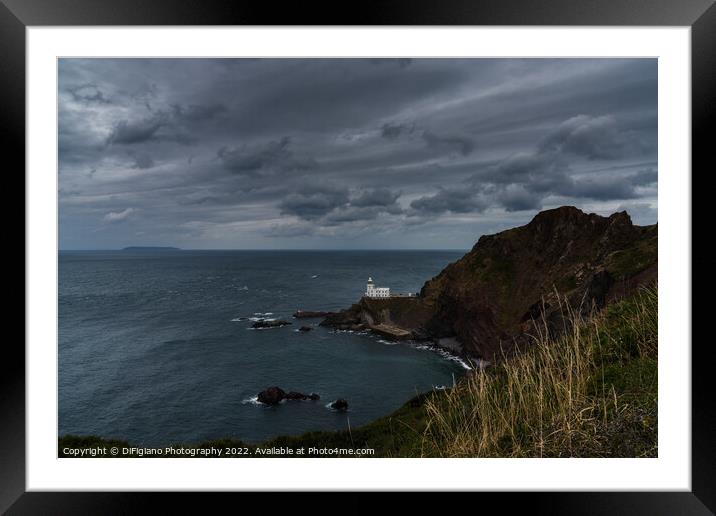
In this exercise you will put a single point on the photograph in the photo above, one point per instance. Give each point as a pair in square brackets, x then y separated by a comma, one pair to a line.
[454, 240]
[409, 257]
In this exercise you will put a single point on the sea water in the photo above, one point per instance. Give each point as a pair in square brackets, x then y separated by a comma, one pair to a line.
[157, 348]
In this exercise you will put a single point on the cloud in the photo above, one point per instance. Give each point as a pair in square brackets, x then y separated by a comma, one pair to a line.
[375, 197]
[523, 180]
[333, 206]
[198, 112]
[175, 125]
[88, 92]
[523, 167]
[331, 147]
[645, 177]
[346, 214]
[143, 161]
[518, 198]
[594, 137]
[139, 131]
[314, 203]
[392, 131]
[119, 216]
[265, 159]
[599, 188]
[290, 230]
[463, 144]
[449, 200]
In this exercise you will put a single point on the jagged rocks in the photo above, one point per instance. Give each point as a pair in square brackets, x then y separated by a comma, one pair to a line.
[275, 395]
[264, 323]
[308, 314]
[489, 300]
[340, 404]
[271, 396]
[348, 319]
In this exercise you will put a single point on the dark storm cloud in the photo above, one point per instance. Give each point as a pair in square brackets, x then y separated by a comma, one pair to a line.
[449, 200]
[138, 131]
[314, 203]
[523, 180]
[518, 198]
[463, 144]
[346, 152]
[375, 197]
[266, 158]
[175, 124]
[333, 206]
[594, 138]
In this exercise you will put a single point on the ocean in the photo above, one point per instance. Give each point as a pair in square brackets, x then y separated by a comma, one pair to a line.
[156, 348]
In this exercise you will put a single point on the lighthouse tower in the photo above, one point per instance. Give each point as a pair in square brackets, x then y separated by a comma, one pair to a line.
[372, 291]
[370, 288]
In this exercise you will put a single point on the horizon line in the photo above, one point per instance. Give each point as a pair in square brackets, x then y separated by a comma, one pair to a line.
[171, 248]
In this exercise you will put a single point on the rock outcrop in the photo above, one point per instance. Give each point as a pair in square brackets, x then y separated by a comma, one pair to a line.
[308, 314]
[275, 395]
[264, 323]
[340, 405]
[271, 396]
[487, 303]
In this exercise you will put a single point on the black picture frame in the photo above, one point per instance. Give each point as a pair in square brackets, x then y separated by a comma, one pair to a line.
[700, 15]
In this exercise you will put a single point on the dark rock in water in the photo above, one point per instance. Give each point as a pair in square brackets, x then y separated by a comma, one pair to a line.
[271, 396]
[308, 314]
[274, 395]
[269, 324]
[293, 395]
[305, 328]
[343, 320]
[339, 404]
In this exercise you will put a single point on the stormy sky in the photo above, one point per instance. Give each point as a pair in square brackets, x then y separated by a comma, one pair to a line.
[346, 153]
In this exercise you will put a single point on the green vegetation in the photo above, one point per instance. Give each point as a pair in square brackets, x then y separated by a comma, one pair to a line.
[590, 393]
[632, 260]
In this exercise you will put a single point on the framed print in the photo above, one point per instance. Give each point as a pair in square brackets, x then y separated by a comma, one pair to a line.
[454, 243]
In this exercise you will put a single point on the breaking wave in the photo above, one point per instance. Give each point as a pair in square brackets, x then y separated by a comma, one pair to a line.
[445, 354]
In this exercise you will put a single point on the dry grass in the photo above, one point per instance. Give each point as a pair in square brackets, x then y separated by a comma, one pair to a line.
[590, 392]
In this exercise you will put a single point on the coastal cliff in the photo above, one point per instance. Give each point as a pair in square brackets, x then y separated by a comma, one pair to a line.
[486, 304]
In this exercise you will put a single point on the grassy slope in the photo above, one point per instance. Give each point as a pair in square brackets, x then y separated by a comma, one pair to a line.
[591, 393]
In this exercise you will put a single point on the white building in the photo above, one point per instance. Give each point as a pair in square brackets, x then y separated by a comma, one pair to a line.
[372, 291]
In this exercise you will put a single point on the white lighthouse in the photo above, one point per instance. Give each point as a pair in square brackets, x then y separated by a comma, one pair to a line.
[376, 292]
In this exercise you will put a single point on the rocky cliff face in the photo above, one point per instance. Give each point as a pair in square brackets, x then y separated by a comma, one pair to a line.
[486, 302]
